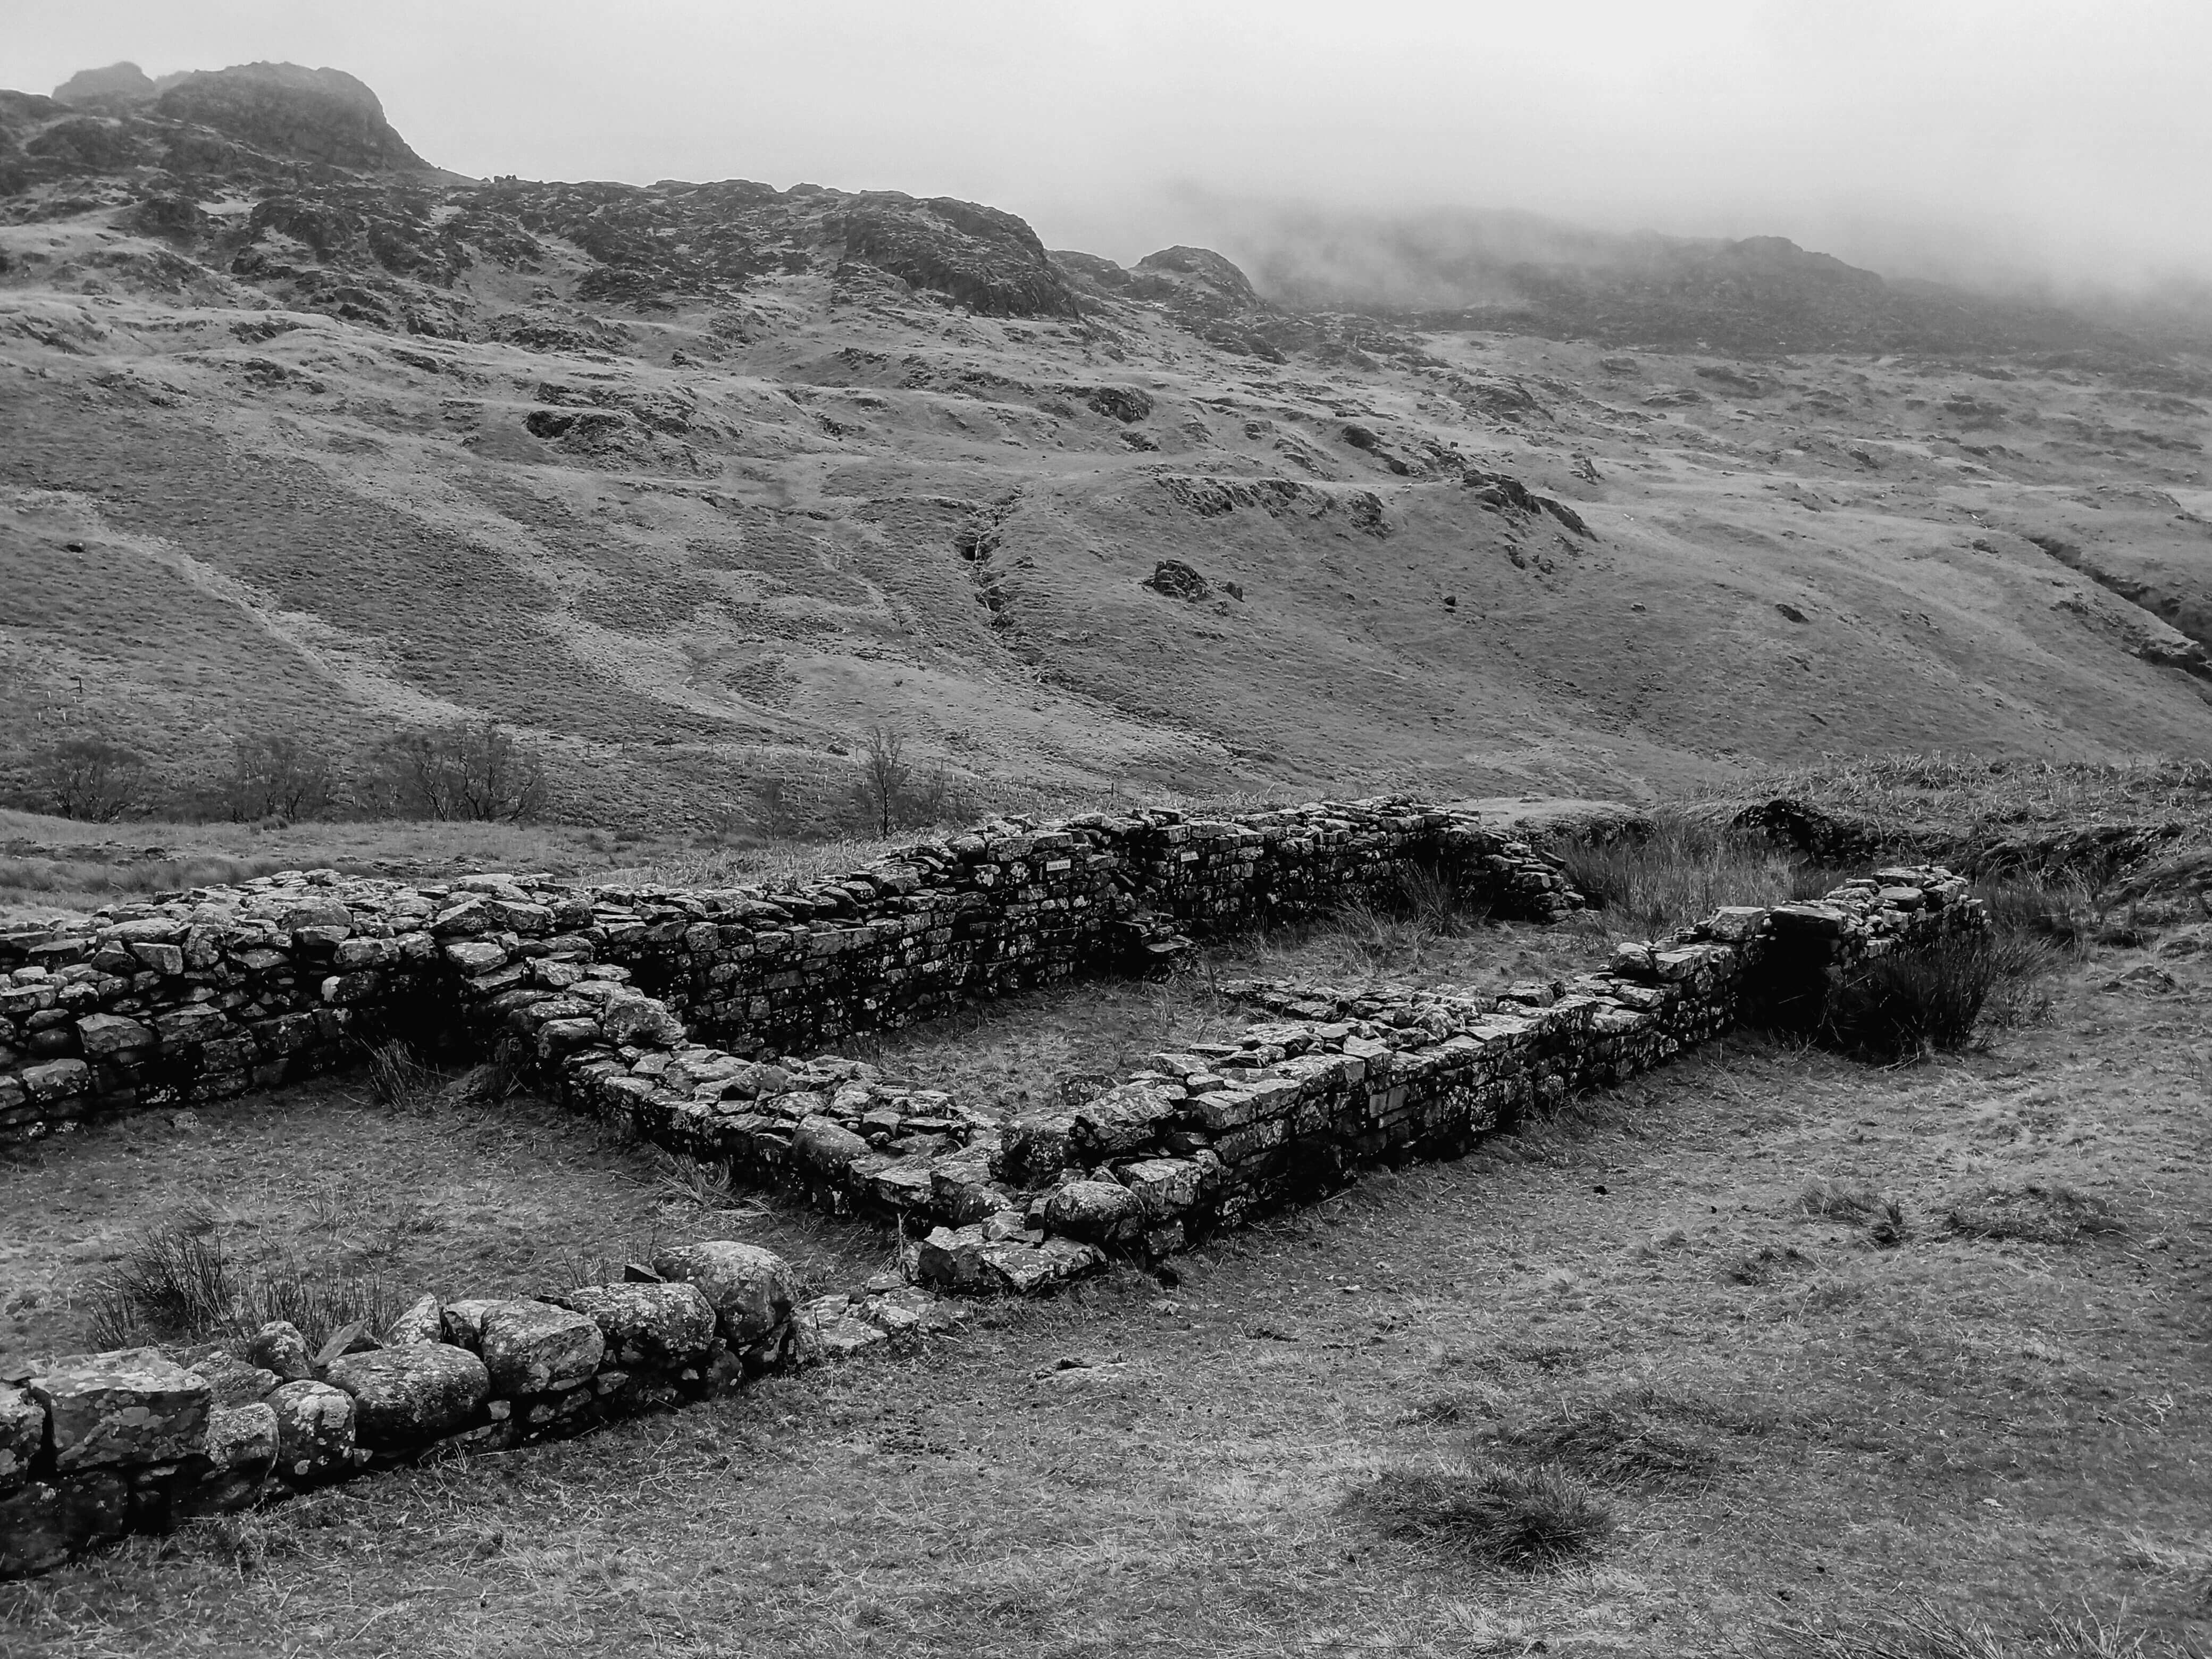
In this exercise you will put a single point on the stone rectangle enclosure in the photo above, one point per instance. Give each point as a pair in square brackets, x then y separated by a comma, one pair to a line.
[599, 997]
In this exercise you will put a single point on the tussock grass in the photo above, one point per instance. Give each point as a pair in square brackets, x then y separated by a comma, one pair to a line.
[1909, 1003]
[1924, 1631]
[1524, 1519]
[179, 1284]
[400, 1081]
[2035, 1213]
[1629, 1440]
[1856, 1205]
[681, 1179]
[1683, 867]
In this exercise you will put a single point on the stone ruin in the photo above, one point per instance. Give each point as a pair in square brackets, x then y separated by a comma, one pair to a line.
[680, 1015]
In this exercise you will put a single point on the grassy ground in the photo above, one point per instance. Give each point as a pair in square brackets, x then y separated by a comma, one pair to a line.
[322, 1185]
[1972, 798]
[2006, 1417]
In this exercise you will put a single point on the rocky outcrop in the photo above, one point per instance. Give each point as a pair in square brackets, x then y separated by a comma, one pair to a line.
[323, 115]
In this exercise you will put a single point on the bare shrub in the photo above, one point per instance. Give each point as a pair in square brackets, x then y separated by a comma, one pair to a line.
[276, 775]
[1527, 1519]
[472, 772]
[88, 778]
[2036, 1213]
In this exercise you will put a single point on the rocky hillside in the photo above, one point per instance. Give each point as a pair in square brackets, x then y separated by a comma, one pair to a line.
[694, 483]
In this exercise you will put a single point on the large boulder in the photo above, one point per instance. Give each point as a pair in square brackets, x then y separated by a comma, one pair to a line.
[314, 1429]
[534, 1348]
[667, 1325]
[405, 1395]
[751, 1289]
[135, 1405]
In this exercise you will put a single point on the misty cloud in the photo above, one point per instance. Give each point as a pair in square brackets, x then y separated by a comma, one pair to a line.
[2038, 139]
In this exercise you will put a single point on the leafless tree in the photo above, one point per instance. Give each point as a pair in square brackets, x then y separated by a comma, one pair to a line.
[277, 776]
[461, 772]
[89, 778]
[884, 774]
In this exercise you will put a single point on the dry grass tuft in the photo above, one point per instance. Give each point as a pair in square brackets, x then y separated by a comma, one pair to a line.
[1924, 1631]
[401, 1082]
[1527, 1520]
[1856, 1205]
[1617, 1444]
[2035, 1213]
[680, 1179]
[1681, 870]
[179, 1284]
[1909, 1003]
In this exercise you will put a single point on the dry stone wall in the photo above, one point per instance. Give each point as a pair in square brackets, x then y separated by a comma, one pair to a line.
[210, 992]
[224, 988]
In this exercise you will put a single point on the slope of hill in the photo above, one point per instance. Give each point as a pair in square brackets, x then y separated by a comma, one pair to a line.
[696, 482]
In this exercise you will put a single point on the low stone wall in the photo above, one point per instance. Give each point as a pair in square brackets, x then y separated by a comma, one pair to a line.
[94, 1447]
[210, 993]
[1323, 1080]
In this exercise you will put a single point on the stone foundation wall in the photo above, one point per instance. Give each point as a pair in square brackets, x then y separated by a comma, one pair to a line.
[96, 1446]
[231, 986]
[210, 993]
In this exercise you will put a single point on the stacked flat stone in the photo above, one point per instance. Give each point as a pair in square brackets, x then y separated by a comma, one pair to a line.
[94, 1446]
[208, 994]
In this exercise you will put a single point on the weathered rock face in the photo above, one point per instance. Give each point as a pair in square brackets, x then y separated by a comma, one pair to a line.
[648, 1324]
[234, 1381]
[119, 84]
[534, 1347]
[751, 1289]
[314, 1428]
[403, 1397]
[242, 1437]
[22, 1432]
[132, 1406]
[315, 115]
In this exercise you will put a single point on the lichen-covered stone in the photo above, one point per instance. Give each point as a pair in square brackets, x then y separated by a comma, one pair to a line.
[135, 1405]
[314, 1428]
[665, 1325]
[405, 1395]
[1099, 1211]
[279, 1346]
[234, 1381]
[424, 1320]
[22, 1432]
[750, 1289]
[462, 1322]
[241, 1453]
[241, 1436]
[533, 1348]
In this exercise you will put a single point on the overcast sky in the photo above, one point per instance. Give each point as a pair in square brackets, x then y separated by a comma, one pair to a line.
[2066, 138]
